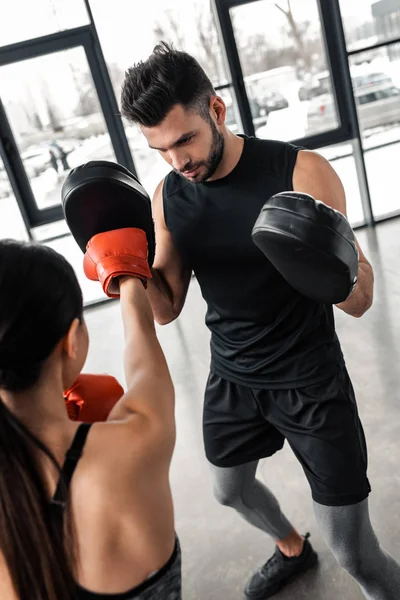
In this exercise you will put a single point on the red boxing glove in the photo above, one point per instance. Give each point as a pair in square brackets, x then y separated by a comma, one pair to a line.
[114, 254]
[92, 397]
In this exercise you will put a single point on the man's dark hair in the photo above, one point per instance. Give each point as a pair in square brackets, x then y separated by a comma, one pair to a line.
[168, 77]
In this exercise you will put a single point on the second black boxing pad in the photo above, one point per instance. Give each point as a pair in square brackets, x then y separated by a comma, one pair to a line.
[310, 244]
[101, 196]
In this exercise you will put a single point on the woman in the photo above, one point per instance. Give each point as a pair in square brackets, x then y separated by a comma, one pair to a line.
[100, 524]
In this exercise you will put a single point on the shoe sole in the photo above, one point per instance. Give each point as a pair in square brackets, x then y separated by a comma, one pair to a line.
[279, 586]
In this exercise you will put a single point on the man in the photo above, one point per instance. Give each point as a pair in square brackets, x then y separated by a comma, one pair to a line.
[277, 370]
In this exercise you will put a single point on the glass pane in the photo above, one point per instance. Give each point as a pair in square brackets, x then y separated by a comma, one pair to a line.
[23, 19]
[370, 22]
[189, 26]
[382, 170]
[233, 120]
[285, 68]
[50, 231]
[54, 111]
[342, 160]
[11, 222]
[67, 246]
[376, 83]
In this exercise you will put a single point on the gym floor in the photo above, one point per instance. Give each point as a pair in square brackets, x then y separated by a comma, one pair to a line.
[220, 550]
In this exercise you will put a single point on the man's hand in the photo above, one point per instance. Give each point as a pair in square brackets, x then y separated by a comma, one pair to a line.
[360, 300]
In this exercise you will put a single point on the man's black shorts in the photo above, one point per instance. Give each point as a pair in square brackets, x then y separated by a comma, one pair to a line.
[320, 422]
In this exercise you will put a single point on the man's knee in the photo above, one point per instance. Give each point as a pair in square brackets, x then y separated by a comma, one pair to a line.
[351, 562]
[228, 486]
[228, 495]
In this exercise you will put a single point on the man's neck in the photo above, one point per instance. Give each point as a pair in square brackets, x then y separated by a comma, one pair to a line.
[232, 152]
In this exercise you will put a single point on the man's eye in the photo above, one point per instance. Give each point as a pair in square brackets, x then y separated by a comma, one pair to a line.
[185, 141]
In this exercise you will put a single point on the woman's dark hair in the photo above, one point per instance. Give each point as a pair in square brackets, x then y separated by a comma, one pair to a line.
[168, 77]
[39, 299]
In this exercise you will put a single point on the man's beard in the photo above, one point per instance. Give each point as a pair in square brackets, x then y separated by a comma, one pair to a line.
[213, 160]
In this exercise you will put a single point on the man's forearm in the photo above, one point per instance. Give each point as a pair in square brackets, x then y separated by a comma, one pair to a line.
[161, 298]
[361, 298]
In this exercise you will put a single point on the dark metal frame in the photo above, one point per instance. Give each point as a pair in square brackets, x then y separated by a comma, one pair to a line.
[374, 46]
[84, 37]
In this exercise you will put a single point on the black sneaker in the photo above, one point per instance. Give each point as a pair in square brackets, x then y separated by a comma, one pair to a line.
[279, 571]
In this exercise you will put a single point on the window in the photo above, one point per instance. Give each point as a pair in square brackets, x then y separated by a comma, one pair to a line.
[342, 160]
[128, 36]
[232, 111]
[11, 222]
[68, 248]
[284, 66]
[370, 21]
[376, 82]
[55, 229]
[382, 169]
[27, 19]
[55, 114]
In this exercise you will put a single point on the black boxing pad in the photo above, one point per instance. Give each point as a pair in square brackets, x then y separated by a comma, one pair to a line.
[310, 244]
[101, 196]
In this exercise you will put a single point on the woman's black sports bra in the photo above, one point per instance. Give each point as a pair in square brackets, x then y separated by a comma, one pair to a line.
[165, 584]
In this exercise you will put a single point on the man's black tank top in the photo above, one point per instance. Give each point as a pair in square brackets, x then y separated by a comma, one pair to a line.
[263, 333]
[165, 584]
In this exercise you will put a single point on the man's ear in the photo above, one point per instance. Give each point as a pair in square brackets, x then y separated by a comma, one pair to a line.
[218, 109]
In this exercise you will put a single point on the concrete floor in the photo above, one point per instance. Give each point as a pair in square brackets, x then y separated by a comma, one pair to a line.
[220, 549]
